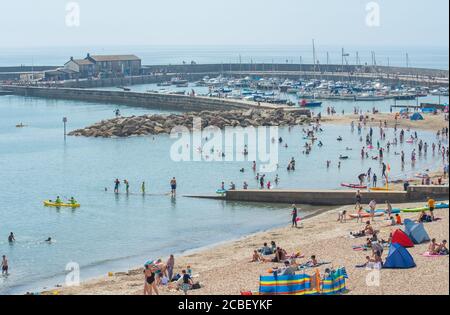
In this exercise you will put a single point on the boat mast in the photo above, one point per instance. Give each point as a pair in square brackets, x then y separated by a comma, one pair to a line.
[314, 57]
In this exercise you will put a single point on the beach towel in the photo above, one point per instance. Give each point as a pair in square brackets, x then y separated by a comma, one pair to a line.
[308, 265]
[360, 248]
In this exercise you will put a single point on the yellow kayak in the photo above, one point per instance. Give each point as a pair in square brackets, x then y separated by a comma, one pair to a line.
[49, 203]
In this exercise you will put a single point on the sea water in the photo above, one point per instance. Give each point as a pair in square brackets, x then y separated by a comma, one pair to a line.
[116, 232]
[419, 57]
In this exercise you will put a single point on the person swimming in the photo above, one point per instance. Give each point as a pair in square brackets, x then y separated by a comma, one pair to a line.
[11, 238]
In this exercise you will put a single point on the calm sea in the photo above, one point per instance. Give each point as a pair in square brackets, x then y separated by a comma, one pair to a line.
[422, 57]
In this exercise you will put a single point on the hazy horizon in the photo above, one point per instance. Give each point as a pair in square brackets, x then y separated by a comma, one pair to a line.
[197, 23]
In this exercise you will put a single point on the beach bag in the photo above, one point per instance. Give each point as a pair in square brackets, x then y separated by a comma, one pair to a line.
[196, 286]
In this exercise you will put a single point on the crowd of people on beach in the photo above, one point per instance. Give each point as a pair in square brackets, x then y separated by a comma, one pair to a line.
[276, 254]
[159, 275]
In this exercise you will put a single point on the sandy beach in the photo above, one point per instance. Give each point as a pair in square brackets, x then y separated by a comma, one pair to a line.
[431, 122]
[226, 269]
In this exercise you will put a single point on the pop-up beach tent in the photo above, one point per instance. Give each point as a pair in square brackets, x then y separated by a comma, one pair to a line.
[399, 258]
[416, 116]
[400, 237]
[416, 232]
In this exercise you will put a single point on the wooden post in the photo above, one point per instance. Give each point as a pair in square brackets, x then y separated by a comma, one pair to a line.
[65, 130]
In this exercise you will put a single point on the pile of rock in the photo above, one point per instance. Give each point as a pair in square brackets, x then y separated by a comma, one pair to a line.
[160, 124]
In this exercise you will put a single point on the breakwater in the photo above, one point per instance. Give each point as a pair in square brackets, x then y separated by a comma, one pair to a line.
[159, 73]
[291, 67]
[159, 124]
[146, 100]
[338, 197]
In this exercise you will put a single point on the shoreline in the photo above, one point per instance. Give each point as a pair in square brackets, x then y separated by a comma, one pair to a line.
[190, 252]
[51, 289]
[430, 123]
[225, 268]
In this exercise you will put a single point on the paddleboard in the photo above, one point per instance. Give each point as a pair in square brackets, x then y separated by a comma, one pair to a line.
[394, 211]
[354, 186]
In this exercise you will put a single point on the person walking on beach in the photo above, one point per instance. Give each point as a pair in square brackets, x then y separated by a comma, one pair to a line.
[358, 198]
[173, 187]
[170, 265]
[294, 216]
[372, 206]
[150, 280]
[388, 209]
[5, 266]
[384, 170]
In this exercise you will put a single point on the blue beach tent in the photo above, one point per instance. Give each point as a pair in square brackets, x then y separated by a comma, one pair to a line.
[399, 258]
[416, 116]
[416, 232]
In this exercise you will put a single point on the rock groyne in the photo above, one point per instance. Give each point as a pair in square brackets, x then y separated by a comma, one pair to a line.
[164, 124]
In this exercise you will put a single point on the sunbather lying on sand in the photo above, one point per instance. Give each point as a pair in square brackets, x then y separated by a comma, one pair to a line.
[288, 270]
[312, 263]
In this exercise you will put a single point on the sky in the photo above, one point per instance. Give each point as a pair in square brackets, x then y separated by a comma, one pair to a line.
[31, 23]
